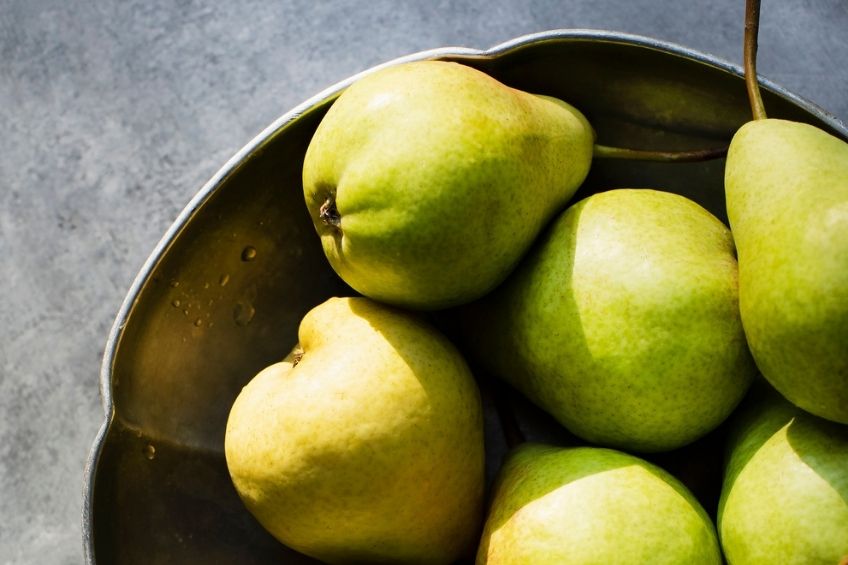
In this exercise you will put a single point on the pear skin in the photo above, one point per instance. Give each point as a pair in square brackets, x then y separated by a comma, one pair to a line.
[586, 505]
[787, 201]
[366, 444]
[622, 322]
[428, 181]
[785, 493]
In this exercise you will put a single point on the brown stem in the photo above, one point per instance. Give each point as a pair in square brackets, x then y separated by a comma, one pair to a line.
[752, 29]
[328, 212]
[606, 152]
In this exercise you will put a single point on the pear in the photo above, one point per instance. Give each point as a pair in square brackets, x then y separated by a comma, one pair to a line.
[786, 187]
[785, 493]
[787, 202]
[366, 444]
[427, 181]
[623, 322]
[585, 505]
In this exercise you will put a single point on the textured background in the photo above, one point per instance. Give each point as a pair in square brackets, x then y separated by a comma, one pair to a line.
[113, 114]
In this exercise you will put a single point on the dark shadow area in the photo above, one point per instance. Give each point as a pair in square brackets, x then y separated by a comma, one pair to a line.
[699, 466]
[158, 503]
[500, 401]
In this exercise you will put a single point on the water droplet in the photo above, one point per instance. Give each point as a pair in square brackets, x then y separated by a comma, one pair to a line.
[175, 283]
[149, 451]
[224, 280]
[198, 322]
[243, 313]
[185, 312]
[206, 285]
[210, 324]
[176, 303]
[248, 254]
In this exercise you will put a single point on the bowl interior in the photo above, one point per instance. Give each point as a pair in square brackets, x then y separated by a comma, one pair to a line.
[223, 295]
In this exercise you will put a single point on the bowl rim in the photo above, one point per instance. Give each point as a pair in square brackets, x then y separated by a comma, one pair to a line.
[217, 179]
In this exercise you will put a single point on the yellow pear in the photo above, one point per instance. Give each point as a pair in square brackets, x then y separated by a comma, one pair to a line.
[366, 443]
[588, 506]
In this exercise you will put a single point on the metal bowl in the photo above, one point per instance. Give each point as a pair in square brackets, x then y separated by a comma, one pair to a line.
[222, 294]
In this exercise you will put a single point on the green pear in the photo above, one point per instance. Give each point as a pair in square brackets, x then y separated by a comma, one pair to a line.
[787, 201]
[366, 444]
[785, 493]
[623, 322]
[428, 181]
[585, 505]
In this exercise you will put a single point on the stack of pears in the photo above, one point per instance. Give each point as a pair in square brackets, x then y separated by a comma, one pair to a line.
[626, 316]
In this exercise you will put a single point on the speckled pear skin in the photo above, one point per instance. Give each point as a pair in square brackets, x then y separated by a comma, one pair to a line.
[442, 177]
[787, 201]
[368, 446]
[582, 506]
[622, 322]
[785, 493]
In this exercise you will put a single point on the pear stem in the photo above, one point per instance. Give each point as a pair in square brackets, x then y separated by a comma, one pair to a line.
[606, 152]
[752, 29]
[509, 425]
[329, 214]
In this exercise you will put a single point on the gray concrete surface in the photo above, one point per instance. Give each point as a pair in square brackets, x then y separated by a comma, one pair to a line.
[113, 113]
